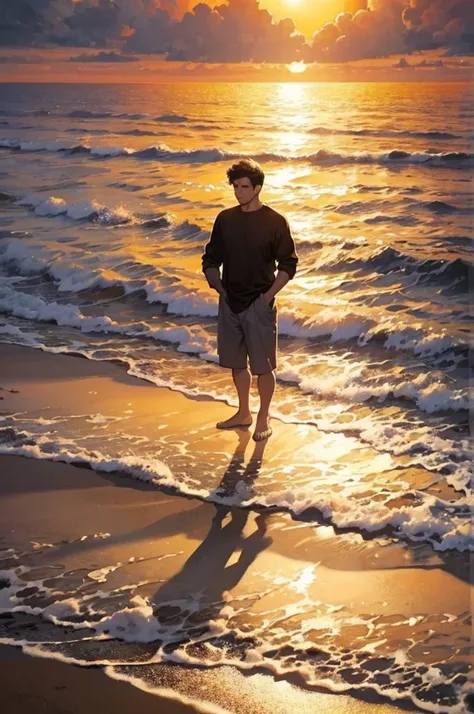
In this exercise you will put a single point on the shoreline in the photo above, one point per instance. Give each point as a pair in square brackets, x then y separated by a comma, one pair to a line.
[87, 520]
[54, 686]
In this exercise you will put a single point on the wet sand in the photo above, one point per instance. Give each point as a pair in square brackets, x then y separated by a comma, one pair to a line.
[86, 521]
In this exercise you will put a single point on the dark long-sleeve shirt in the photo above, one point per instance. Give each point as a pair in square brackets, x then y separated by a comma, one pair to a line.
[250, 246]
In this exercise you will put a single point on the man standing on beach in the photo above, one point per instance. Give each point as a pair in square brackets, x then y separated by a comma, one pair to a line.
[250, 241]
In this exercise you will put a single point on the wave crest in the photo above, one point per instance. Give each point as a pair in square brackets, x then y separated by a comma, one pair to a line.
[454, 159]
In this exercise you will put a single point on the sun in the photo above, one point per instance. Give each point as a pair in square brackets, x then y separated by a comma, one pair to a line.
[297, 67]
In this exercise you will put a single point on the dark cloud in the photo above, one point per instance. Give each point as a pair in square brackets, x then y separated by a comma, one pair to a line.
[85, 23]
[461, 48]
[238, 30]
[425, 64]
[91, 24]
[19, 21]
[103, 57]
[150, 33]
[235, 32]
[402, 63]
[29, 22]
[435, 23]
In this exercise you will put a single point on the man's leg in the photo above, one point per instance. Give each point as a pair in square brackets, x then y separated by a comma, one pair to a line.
[266, 388]
[261, 340]
[242, 417]
[232, 351]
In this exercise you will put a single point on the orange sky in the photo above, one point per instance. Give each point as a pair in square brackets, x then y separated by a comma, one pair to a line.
[308, 15]
[53, 65]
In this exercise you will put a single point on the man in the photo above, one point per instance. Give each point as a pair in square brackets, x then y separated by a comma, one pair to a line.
[250, 241]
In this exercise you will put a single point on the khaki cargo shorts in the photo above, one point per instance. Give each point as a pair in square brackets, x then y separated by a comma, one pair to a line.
[250, 334]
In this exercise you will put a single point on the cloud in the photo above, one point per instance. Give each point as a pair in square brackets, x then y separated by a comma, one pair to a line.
[402, 63]
[16, 59]
[425, 64]
[368, 33]
[234, 31]
[19, 21]
[103, 57]
[435, 23]
[76, 22]
[392, 26]
[238, 30]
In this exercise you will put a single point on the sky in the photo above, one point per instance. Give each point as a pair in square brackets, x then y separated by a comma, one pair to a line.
[309, 16]
[301, 37]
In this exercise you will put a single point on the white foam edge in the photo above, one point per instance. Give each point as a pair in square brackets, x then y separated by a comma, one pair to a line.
[454, 536]
[368, 433]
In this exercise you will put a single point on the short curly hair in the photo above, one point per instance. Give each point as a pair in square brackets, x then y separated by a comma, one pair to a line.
[246, 168]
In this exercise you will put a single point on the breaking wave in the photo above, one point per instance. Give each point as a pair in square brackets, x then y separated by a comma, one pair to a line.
[161, 152]
[452, 276]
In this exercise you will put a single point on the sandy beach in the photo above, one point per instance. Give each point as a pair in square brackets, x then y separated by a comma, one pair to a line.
[83, 535]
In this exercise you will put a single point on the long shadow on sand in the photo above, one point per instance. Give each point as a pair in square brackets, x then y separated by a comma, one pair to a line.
[207, 572]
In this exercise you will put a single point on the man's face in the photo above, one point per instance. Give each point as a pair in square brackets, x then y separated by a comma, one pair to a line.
[244, 191]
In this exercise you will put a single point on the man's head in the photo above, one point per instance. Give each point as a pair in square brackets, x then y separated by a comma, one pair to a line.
[247, 177]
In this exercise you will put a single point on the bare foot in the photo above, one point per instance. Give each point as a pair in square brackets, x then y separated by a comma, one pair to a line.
[263, 429]
[235, 421]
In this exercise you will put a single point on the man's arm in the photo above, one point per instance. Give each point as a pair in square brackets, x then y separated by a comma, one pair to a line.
[212, 259]
[285, 254]
[280, 281]
[213, 277]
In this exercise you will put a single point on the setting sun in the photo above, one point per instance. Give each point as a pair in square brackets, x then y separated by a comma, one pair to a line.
[297, 67]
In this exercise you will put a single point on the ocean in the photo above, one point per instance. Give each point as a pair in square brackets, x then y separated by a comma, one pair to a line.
[107, 197]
